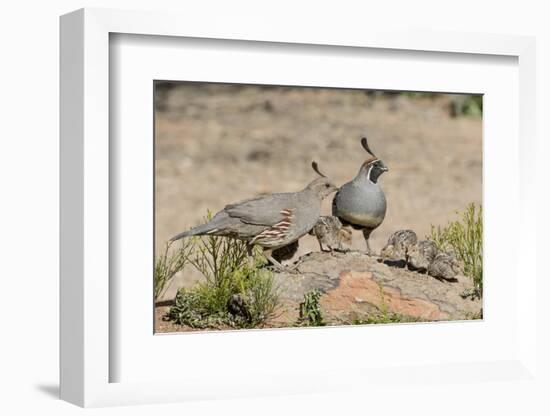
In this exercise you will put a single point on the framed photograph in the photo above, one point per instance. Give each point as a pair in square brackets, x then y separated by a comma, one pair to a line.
[271, 242]
[236, 208]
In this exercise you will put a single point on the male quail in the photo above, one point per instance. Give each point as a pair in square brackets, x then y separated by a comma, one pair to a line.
[444, 266]
[361, 203]
[421, 255]
[270, 221]
[329, 231]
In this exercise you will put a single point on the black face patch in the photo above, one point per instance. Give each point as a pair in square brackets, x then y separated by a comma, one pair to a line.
[375, 169]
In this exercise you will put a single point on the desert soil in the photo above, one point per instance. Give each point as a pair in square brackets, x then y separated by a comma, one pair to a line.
[217, 144]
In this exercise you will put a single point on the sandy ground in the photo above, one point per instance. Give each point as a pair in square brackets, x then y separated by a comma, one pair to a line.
[217, 144]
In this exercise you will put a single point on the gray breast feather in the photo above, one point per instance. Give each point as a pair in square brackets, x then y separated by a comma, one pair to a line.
[362, 205]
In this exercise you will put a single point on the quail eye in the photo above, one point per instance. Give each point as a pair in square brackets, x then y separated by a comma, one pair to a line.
[326, 185]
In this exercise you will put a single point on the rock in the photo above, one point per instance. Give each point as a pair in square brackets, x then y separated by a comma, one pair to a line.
[356, 285]
[362, 285]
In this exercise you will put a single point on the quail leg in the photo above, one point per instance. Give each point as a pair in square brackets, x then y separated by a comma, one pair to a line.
[325, 250]
[332, 250]
[250, 254]
[344, 235]
[278, 266]
[366, 235]
[341, 249]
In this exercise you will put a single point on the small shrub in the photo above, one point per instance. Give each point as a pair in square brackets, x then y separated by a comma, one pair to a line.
[191, 308]
[310, 310]
[168, 264]
[467, 105]
[262, 296]
[460, 105]
[208, 304]
[230, 275]
[464, 238]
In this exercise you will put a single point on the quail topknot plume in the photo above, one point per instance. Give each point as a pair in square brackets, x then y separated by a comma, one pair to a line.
[270, 221]
[330, 232]
[361, 203]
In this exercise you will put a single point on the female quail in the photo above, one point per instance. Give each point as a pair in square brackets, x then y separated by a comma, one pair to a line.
[270, 221]
[361, 203]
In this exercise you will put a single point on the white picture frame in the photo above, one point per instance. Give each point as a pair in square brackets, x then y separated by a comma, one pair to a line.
[87, 354]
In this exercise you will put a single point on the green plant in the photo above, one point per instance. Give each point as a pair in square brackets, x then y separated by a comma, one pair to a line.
[191, 308]
[262, 297]
[382, 318]
[310, 310]
[237, 291]
[217, 257]
[468, 105]
[208, 304]
[464, 238]
[422, 95]
[460, 104]
[168, 264]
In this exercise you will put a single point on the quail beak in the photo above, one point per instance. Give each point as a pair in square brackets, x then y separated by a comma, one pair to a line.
[384, 168]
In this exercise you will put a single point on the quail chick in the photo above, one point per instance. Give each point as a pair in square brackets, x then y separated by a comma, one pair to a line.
[361, 202]
[270, 221]
[329, 232]
[390, 253]
[237, 305]
[286, 252]
[444, 266]
[421, 254]
[398, 245]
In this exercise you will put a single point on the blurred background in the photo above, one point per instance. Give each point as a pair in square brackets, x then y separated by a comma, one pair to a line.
[221, 143]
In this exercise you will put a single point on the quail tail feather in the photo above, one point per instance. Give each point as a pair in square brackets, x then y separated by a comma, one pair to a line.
[200, 230]
[210, 227]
